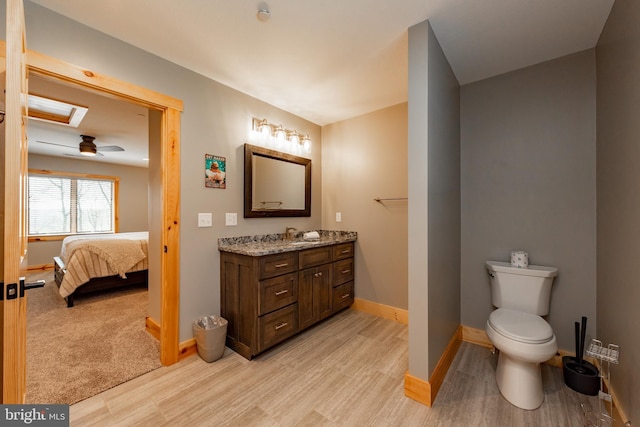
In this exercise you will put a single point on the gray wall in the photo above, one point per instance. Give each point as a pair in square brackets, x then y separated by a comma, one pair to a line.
[618, 124]
[444, 202]
[434, 201]
[132, 198]
[528, 183]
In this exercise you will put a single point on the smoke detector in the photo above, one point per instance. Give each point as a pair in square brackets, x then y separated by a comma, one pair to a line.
[264, 14]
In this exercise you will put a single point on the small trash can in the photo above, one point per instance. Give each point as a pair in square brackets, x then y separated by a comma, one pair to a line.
[210, 333]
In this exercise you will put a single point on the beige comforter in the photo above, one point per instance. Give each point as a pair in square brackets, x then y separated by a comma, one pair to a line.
[88, 256]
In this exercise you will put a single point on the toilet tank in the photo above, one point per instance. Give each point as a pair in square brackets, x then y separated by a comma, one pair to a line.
[522, 289]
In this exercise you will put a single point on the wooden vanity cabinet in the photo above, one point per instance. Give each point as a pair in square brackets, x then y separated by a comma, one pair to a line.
[267, 299]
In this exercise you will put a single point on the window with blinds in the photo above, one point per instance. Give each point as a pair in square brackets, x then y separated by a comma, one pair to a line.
[61, 205]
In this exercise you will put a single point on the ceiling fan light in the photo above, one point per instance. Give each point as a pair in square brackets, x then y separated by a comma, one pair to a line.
[87, 146]
[88, 149]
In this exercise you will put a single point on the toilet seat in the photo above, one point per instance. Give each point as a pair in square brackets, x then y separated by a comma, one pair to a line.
[520, 326]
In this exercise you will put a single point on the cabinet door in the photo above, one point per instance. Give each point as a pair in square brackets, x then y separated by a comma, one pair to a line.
[322, 291]
[315, 295]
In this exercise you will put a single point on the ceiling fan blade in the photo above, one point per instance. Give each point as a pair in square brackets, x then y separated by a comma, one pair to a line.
[110, 148]
[59, 145]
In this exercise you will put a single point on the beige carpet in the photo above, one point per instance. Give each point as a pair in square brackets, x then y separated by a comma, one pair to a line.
[75, 353]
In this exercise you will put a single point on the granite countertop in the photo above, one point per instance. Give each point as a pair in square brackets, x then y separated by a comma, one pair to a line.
[269, 244]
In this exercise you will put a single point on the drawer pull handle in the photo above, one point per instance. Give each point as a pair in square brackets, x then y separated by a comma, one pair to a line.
[345, 271]
[282, 292]
[282, 265]
[346, 296]
[281, 325]
[346, 251]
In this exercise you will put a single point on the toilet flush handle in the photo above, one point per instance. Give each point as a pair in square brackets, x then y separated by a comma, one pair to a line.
[492, 275]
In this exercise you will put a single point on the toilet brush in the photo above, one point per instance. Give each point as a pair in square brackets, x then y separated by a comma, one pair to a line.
[582, 338]
[578, 368]
[579, 374]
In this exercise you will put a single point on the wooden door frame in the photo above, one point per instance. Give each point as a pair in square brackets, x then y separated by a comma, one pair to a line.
[170, 108]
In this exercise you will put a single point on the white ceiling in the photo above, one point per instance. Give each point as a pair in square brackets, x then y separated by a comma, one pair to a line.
[328, 60]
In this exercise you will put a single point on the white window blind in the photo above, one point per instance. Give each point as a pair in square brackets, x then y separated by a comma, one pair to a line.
[69, 205]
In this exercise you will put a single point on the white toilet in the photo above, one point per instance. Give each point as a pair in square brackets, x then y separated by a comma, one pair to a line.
[524, 339]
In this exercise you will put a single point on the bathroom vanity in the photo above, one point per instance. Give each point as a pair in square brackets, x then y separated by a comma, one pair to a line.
[271, 289]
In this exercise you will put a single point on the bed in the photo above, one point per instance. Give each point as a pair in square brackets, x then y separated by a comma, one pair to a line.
[90, 263]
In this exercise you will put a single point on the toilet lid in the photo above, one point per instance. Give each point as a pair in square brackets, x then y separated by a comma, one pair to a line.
[520, 326]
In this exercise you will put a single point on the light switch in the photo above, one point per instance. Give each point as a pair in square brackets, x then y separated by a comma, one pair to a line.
[205, 220]
[338, 217]
[231, 218]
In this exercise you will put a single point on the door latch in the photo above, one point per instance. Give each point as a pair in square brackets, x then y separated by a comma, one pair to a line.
[12, 291]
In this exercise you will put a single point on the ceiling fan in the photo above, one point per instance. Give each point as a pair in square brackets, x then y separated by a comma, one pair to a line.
[87, 147]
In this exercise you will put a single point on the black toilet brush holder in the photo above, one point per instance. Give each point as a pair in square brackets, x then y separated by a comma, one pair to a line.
[583, 378]
[580, 375]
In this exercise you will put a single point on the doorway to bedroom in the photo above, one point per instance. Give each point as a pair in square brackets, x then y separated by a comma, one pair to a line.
[101, 341]
[163, 119]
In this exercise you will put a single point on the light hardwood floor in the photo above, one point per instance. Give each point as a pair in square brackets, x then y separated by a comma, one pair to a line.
[347, 371]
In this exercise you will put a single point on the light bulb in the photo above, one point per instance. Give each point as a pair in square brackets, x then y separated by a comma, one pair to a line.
[281, 135]
[306, 142]
[294, 138]
[264, 128]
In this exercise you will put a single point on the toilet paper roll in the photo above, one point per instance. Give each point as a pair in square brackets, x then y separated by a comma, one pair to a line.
[519, 259]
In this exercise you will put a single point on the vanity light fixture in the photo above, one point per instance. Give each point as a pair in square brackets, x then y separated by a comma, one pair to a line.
[279, 136]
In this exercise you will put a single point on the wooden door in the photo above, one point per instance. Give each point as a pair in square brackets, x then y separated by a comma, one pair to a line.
[14, 246]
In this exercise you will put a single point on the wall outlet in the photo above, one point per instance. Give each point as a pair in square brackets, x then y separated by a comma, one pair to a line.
[205, 220]
[338, 217]
[231, 218]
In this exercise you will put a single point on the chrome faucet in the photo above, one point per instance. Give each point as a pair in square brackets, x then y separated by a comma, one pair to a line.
[288, 234]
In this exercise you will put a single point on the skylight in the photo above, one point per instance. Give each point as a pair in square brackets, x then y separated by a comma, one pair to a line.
[55, 111]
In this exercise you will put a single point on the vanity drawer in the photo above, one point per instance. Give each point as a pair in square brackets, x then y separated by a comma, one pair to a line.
[342, 251]
[275, 265]
[342, 271]
[342, 296]
[317, 256]
[277, 292]
[277, 326]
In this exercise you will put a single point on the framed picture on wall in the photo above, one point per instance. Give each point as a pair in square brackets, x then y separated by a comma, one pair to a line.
[215, 171]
